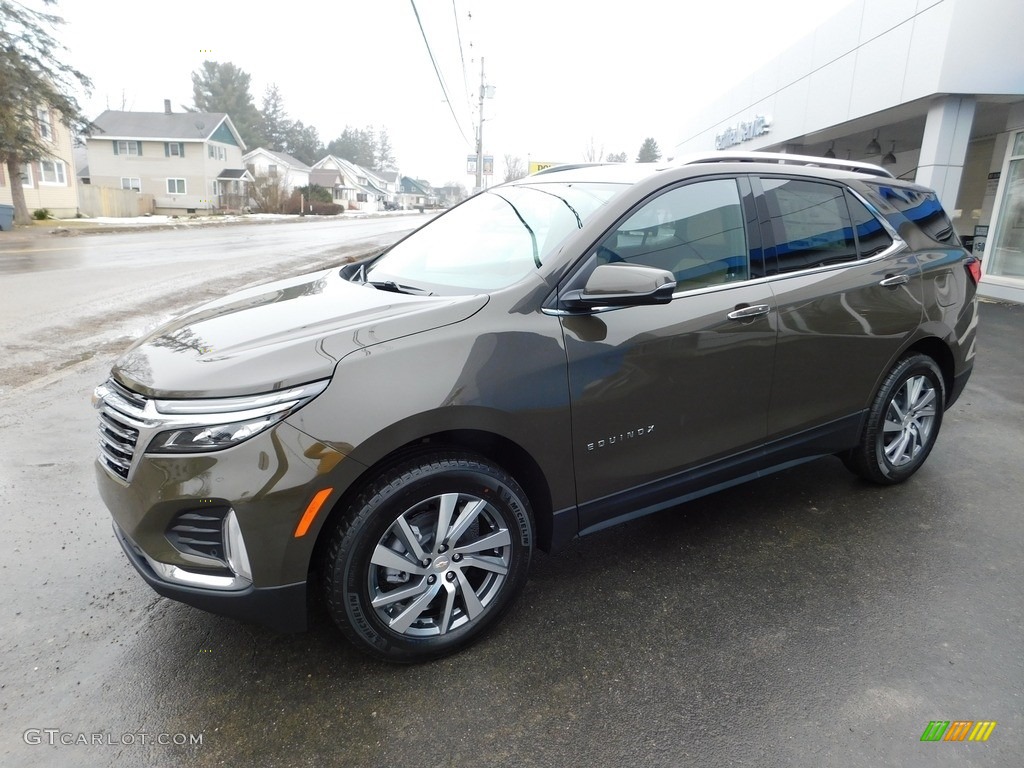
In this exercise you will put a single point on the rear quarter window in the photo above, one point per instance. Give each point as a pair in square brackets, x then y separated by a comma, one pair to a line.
[920, 207]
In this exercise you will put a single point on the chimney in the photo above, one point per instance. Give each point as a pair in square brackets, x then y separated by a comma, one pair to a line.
[167, 106]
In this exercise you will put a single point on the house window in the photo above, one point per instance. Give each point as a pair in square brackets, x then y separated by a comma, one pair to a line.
[272, 171]
[26, 175]
[216, 153]
[127, 148]
[131, 182]
[361, 197]
[45, 126]
[175, 186]
[53, 172]
[175, 149]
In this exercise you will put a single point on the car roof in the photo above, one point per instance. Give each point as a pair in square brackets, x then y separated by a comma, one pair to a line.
[761, 162]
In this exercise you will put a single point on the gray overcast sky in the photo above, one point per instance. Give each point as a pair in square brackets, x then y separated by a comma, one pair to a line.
[564, 70]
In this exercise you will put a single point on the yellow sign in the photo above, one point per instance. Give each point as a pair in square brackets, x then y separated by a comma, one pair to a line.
[537, 165]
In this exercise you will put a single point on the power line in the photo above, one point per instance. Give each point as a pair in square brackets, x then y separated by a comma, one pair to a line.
[462, 57]
[440, 80]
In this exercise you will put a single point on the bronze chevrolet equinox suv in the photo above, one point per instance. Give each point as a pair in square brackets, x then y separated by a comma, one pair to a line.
[552, 357]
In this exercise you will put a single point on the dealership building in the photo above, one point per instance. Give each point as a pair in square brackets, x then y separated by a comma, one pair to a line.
[931, 89]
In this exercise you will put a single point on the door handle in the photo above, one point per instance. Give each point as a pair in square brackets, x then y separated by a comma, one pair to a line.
[749, 312]
[891, 281]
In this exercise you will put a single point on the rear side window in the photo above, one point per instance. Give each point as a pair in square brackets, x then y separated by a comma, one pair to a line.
[817, 224]
[919, 206]
[811, 224]
[872, 238]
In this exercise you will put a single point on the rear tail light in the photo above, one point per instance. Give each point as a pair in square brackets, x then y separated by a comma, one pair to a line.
[973, 265]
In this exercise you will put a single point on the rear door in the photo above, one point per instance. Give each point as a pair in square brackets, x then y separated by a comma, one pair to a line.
[659, 389]
[849, 295]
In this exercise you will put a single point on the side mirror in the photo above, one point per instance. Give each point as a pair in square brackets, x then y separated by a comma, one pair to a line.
[622, 285]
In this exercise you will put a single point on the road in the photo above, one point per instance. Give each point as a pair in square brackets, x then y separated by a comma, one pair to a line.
[806, 619]
[69, 299]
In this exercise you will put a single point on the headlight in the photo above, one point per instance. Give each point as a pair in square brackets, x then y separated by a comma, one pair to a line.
[198, 426]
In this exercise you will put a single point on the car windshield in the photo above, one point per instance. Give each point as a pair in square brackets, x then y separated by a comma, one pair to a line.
[492, 240]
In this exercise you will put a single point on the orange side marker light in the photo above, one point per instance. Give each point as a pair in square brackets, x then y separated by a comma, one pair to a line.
[311, 512]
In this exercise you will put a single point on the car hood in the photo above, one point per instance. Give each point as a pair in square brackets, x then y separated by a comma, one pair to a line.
[278, 335]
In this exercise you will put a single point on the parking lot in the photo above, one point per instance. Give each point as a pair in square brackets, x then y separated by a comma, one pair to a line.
[804, 619]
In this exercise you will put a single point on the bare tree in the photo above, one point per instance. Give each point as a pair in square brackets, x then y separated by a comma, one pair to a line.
[268, 194]
[593, 154]
[514, 168]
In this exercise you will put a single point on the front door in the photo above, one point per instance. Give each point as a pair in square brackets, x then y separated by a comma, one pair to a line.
[656, 390]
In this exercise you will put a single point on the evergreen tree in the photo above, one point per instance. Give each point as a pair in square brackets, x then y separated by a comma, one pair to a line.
[33, 76]
[384, 156]
[357, 145]
[304, 143]
[649, 152]
[224, 87]
[274, 123]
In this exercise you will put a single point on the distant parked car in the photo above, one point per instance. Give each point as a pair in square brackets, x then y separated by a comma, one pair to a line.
[551, 357]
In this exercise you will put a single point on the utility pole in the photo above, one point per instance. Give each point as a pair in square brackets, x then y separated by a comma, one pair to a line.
[480, 134]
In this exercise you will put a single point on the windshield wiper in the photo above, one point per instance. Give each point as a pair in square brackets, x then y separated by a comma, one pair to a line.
[533, 237]
[393, 287]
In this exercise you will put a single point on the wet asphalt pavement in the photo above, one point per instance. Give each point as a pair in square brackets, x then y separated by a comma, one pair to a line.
[806, 619]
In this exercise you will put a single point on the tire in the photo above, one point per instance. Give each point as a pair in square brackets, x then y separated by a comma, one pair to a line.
[903, 422]
[401, 592]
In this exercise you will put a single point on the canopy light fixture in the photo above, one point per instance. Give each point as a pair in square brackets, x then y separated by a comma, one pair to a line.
[874, 148]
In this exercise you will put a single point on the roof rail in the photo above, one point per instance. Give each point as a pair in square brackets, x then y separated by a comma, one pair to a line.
[785, 159]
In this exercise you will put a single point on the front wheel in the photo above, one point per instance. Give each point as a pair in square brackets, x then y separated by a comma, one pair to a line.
[429, 557]
[903, 422]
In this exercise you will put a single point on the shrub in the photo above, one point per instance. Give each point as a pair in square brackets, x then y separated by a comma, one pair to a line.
[41, 214]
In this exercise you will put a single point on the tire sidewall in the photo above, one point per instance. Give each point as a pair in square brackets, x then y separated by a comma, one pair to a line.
[400, 491]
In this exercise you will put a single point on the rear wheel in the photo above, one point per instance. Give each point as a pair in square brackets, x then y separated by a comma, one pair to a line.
[430, 556]
[903, 422]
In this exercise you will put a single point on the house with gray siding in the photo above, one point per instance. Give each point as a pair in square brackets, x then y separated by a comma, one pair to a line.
[190, 162]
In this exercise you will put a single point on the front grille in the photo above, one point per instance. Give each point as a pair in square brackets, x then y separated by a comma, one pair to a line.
[120, 416]
[199, 532]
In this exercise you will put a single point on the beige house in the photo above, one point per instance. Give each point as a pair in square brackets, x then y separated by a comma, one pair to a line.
[190, 162]
[48, 183]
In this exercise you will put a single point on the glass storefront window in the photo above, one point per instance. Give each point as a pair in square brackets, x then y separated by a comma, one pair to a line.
[1007, 249]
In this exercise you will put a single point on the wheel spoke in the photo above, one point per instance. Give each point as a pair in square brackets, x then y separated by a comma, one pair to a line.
[404, 620]
[470, 513]
[398, 595]
[926, 398]
[493, 564]
[473, 605]
[388, 558]
[892, 425]
[449, 607]
[445, 511]
[407, 536]
[491, 541]
[895, 450]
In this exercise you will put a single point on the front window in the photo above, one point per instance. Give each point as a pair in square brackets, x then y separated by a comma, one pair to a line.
[52, 172]
[695, 232]
[175, 186]
[492, 240]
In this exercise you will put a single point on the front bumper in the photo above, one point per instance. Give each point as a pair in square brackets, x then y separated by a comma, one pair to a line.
[281, 608]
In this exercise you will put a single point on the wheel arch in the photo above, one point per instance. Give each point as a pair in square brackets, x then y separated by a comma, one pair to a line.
[491, 446]
[939, 351]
